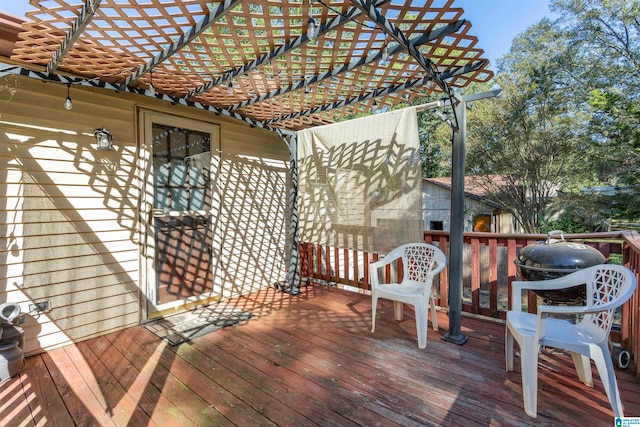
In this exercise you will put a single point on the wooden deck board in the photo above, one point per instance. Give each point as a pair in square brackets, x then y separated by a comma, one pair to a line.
[186, 400]
[41, 392]
[17, 403]
[303, 360]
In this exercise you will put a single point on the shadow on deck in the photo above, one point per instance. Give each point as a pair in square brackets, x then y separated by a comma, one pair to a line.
[302, 360]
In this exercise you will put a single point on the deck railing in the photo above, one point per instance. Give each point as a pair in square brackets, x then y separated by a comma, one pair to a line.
[488, 271]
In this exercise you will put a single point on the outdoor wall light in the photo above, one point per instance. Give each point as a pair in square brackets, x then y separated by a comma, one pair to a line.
[103, 139]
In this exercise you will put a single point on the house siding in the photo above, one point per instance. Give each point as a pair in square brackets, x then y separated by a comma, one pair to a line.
[69, 213]
[436, 206]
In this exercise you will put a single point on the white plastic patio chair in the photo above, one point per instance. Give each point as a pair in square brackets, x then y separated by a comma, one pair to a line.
[420, 263]
[607, 287]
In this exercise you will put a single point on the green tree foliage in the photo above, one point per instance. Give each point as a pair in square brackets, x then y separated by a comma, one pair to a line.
[606, 34]
[529, 137]
[569, 118]
[435, 145]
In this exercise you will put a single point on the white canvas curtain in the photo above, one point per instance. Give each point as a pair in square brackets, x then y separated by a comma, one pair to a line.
[360, 182]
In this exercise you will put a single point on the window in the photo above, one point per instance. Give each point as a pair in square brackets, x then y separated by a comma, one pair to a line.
[436, 225]
[482, 223]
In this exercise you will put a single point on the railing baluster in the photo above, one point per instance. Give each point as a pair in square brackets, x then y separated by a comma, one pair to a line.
[347, 261]
[366, 283]
[493, 277]
[475, 275]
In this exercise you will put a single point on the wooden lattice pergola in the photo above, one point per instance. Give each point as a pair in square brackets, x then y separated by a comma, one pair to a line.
[254, 59]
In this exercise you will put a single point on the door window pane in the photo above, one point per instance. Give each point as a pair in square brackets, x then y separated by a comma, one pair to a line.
[181, 162]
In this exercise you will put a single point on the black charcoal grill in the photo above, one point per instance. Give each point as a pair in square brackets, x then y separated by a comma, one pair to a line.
[554, 258]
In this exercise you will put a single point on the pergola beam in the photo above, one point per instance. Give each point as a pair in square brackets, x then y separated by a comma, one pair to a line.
[17, 70]
[86, 13]
[183, 40]
[378, 92]
[383, 23]
[425, 38]
[336, 22]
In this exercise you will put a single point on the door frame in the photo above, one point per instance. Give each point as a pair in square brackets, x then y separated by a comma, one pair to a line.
[146, 231]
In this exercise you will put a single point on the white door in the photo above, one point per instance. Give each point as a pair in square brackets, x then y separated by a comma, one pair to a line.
[180, 159]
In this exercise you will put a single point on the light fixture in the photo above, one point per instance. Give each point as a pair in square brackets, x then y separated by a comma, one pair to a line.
[152, 89]
[230, 89]
[68, 104]
[103, 139]
[312, 29]
[384, 58]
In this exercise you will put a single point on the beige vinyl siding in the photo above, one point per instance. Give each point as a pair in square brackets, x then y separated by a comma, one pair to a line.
[253, 189]
[436, 206]
[69, 213]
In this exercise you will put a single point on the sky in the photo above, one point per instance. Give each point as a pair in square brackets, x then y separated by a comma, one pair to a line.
[495, 22]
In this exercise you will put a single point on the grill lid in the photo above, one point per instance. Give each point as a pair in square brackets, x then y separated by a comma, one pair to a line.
[555, 254]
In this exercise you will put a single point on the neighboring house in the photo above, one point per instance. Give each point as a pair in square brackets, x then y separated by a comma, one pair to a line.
[481, 214]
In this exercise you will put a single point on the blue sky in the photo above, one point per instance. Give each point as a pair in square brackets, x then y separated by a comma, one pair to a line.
[494, 22]
[497, 22]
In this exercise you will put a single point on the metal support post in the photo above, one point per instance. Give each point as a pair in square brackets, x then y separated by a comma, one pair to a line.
[457, 227]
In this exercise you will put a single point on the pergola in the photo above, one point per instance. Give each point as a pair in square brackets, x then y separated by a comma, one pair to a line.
[279, 65]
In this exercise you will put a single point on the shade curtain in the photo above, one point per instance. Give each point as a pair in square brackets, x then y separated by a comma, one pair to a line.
[360, 182]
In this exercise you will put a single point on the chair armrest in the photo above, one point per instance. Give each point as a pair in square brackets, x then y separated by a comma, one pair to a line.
[375, 266]
[438, 269]
[381, 263]
[577, 309]
[518, 286]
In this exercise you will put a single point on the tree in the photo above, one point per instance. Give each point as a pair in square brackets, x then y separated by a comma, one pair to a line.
[607, 35]
[435, 145]
[530, 138]
[569, 116]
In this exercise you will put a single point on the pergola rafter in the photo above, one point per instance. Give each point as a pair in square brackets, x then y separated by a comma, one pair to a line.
[88, 10]
[378, 92]
[425, 38]
[184, 39]
[336, 22]
[384, 24]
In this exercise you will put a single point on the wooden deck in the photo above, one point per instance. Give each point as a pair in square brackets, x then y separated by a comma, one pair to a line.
[301, 360]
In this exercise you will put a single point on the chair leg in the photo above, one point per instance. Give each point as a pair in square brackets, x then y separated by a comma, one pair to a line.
[422, 318]
[583, 368]
[434, 318]
[529, 369]
[374, 305]
[508, 349]
[604, 364]
[398, 311]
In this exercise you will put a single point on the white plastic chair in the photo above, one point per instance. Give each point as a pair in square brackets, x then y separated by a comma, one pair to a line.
[420, 263]
[607, 287]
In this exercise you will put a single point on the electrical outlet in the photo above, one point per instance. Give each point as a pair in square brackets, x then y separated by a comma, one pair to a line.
[40, 307]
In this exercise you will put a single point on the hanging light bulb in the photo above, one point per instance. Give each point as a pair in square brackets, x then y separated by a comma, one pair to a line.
[384, 58]
[230, 89]
[68, 105]
[152, 89]
[312, 29]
